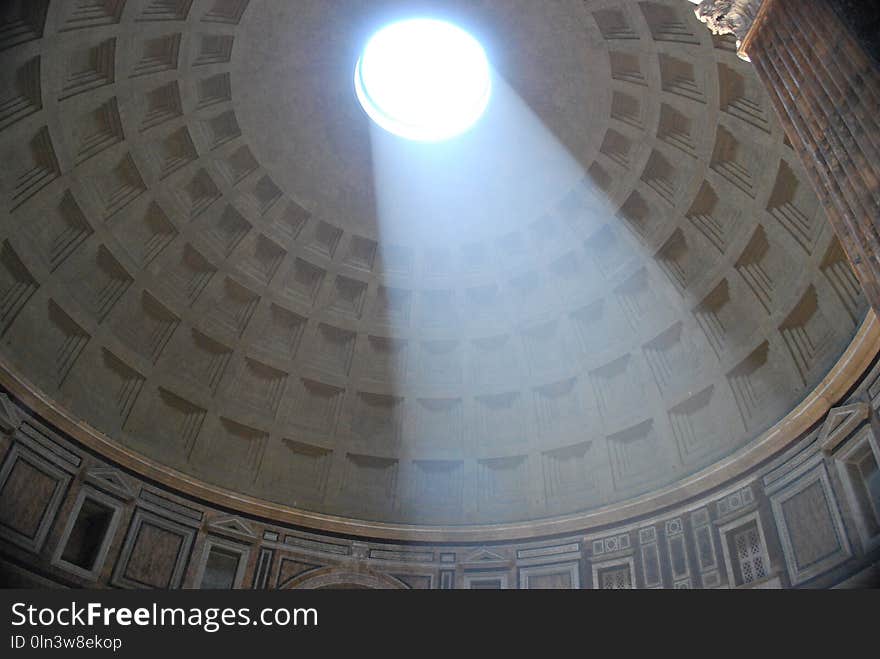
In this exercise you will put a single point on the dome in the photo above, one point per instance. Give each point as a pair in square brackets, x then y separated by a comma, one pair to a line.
[216, 267]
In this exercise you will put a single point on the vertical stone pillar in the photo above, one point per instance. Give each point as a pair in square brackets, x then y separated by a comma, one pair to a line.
[826, 90]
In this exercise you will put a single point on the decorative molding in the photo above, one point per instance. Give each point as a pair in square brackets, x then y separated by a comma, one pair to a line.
[111, 480]
[233, 525]
[840, 424]
[617, 574]
[810, 526]
[114, 507]
[27, 476]
[551, 576]
[230, 549]
[10, 419]
[148, 531]
[482, 556]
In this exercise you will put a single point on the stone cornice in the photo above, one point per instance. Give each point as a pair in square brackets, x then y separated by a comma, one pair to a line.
[734, 17]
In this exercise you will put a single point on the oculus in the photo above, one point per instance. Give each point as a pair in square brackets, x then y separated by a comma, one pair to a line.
[423, 79]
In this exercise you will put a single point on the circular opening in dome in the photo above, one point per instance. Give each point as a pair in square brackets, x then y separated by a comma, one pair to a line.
[423, 79]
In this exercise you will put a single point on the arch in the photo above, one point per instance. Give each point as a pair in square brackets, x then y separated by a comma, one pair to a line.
[344, 577]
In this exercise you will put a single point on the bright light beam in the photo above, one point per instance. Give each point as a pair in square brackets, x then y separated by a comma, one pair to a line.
[503, 174]
[503, 177]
